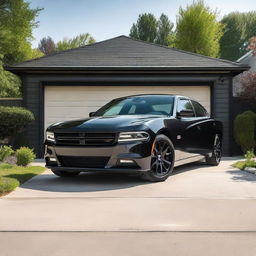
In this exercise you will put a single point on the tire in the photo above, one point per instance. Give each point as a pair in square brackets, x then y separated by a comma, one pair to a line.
[65, 173]
[215, 157]
[162, 160]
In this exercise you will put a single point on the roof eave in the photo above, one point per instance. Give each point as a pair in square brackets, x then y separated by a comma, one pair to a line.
[16, 69]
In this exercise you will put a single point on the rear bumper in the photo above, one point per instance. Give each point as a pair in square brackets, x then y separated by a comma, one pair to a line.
[137, 152]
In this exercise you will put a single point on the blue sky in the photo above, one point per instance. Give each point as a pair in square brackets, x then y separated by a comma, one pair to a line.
[110, 18]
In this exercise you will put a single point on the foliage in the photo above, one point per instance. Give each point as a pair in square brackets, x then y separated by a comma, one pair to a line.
[244, 130]
[78, 41]
[8, 173]
[252, 45]
[197, 29]
[5, 151]
[7, 185]
[47, 45]
[17, 21]
[25, 156]
[145, 28]
[148, 28]
[248, 86]
[239, 28]
[164, 31]
[9, 83]
[249, 155]
[243, 164]
[13, 120]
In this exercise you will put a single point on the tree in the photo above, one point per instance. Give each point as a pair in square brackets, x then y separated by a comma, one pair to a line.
[47, 45]
[164, 30]
[248, 87]
[78, 41]
[239, 27]
[197, 29]
[9, 84]
[252, 45]
[145, 28]
[17, 21]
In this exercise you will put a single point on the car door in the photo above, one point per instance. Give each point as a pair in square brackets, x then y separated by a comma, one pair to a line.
[206, 126]
[189, 141]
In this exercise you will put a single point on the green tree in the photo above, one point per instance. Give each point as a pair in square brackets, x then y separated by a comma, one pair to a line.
[9, 84]
[197, 29]
[239, 28]
[145, 28]
[78, 41]
[17, 21]
[164, 30]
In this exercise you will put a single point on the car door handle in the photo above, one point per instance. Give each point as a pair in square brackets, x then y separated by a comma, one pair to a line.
[199, 128]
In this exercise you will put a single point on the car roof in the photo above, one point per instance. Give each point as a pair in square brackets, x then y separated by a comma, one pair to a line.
[148, 94]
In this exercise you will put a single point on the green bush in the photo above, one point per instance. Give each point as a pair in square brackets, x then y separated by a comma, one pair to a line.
[244, 130]
[5, 151]
[8, 184]
[13, 120]
[25, 156]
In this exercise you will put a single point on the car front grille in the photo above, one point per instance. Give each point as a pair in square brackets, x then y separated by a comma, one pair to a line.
[85, 139]
[82, 161]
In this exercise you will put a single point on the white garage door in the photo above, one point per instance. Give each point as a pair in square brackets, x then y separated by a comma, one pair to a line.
[74, 102]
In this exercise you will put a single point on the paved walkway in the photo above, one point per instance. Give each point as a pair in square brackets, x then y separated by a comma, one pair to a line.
[200, 210]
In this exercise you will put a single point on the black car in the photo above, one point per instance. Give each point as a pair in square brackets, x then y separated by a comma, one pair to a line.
[146, 134]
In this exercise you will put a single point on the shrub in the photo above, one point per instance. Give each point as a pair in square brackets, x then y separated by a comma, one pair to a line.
[5, 151]
[25, 156]
[8, 184]
[13, 120]
[244, 130]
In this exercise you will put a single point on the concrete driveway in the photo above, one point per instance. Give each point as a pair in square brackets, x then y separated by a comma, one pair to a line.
[199, 210]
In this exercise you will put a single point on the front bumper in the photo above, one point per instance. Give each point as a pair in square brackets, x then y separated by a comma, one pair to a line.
[109, 158]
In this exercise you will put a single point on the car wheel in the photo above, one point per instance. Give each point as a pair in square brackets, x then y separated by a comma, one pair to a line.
[65, 173]
[162, 160]
[215, 157]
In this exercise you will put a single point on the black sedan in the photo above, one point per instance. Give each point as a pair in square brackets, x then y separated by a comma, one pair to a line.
[146, 134]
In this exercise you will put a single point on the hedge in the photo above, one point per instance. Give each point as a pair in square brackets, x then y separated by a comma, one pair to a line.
[13, 120]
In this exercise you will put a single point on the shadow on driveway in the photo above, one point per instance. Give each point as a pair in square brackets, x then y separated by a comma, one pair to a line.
[240, 176]
[91, 182]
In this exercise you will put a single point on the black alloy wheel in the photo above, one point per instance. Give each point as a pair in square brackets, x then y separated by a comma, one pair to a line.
[215, 157]
[162, 159]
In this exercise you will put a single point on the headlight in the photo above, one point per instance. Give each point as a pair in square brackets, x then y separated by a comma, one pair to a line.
[50, 136]
[133, 136]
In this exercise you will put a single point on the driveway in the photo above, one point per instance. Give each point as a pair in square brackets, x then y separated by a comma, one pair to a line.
[199, 210]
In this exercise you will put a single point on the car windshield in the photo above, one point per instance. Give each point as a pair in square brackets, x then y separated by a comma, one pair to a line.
[138, 105]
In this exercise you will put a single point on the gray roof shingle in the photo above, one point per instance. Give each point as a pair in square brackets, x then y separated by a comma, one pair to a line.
[124, 52]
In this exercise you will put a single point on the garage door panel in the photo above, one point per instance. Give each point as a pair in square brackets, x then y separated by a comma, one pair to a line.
[73, 102]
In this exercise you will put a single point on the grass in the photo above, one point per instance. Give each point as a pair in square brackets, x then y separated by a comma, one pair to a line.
[12, 176]
[243, 164]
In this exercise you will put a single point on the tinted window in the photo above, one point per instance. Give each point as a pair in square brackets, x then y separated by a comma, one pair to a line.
[199, 109]
[184, 104]
[139, 105]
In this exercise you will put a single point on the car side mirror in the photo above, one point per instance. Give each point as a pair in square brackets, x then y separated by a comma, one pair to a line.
[185, 113]
[91, 114]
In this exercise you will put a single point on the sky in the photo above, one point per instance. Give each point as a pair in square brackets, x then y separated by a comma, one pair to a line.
[110, 18]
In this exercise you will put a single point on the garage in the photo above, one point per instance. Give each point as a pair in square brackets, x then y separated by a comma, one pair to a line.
[70, 84]
[73, 102]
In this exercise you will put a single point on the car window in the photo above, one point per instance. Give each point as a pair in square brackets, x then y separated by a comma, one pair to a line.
[199, 109]
[139, 105]
[184, 104]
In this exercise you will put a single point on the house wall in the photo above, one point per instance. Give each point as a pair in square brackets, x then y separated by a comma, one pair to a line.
[33, 95]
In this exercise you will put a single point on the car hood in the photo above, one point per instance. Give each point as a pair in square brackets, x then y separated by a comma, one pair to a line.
[107, 123]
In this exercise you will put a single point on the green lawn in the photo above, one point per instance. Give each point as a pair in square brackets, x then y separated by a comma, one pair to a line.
[13, 176]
